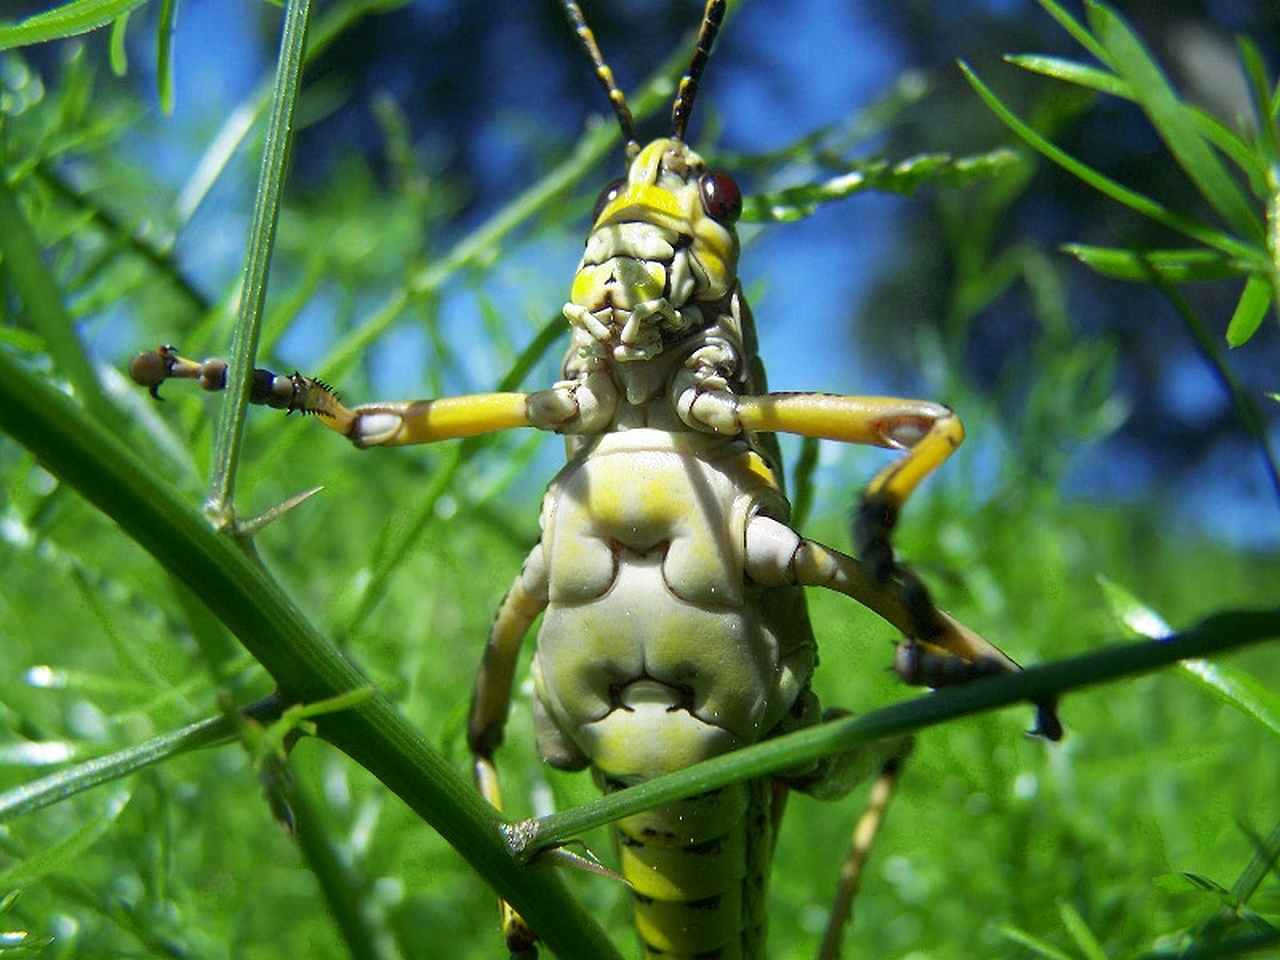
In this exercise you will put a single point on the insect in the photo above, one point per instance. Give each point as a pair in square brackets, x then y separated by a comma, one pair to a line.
[668, 580]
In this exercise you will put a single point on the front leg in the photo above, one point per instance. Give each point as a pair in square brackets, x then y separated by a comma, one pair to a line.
[585, 405]
[926, 432]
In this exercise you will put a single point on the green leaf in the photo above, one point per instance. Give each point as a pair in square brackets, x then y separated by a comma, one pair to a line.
[1040, 948]
[68, 20]
[904, 177]
[1113, 189]
[43, 307]
[1084, 937]
[1184, 882]
[66, 852]
[1175, 266]
[1236, 689]
[1069, 71]
[1252, 307]
[1078, 32]
[1132, 612]
[119, 55]
[1173, 121]
[1255, 71]
[164, 54]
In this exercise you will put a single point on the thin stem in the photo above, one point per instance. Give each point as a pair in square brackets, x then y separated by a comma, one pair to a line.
[244, 343]
[1216, 634]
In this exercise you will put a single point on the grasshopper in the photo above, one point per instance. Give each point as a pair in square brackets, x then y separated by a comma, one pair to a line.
[669, 582]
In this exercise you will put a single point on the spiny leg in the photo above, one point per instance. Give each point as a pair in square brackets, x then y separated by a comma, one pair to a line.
[578, 406]
[778, 556]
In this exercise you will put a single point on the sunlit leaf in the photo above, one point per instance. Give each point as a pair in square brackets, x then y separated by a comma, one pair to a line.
[1175, 266]
[1112, 188]
[1237, 689]
[68, 20]
[1070, 71]
[119, 55]
[1173, 122]
[164, 54]
[1250, 311]
[904, 177]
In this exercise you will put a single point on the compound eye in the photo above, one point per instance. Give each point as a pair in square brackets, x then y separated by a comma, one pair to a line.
[607, 196]
[721, 198]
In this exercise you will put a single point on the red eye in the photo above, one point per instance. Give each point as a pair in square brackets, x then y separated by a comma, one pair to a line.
[607, 196]
[720, 196]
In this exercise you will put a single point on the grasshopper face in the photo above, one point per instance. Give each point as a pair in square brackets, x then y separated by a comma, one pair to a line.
[662, 245]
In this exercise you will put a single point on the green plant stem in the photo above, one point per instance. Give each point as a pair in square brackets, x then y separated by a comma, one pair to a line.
[1214, 635]
[72, 446]
[345, 896]
[253, 293]
[92, 773]
[44, 310]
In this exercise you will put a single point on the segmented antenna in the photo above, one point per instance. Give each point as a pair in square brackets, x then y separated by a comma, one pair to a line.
[683, 106]
[620, 108]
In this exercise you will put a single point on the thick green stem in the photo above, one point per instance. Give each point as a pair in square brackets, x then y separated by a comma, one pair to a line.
[72, 446]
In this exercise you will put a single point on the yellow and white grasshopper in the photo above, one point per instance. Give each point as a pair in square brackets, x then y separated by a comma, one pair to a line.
[667, 578]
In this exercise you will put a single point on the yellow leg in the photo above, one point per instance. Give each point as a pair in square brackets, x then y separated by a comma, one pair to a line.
[927, 432]
[491, 701]
[583, 406]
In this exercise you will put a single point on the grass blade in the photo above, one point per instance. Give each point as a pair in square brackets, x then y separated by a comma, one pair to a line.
[1250, 311]
[1174, 123]
[1069, 71]
[1116, 191]
[1175, 266]
[65, 852]
[68, 20]
[1236, 689]
[43, 307]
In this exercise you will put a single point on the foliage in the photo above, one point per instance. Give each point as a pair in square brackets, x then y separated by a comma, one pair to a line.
[108, 661]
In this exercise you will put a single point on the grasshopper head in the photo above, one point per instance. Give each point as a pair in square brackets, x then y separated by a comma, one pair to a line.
[662, 245]
[662, 248]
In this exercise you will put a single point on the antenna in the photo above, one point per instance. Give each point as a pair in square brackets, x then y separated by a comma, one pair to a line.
[683, 106]
[620, 108]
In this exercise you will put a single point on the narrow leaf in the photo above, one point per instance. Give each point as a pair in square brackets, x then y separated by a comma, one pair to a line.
[1111, 188]
[67, 851]
[903, 177]
[1260, 96]
[164, 54]
[118, 54]
[1079, 930]
[68, 20]
[1040, 948]
[1236, 689]
[1069, 71]
[1252, 307]
[1175, 266]
[1173, 122]
[1079, 32]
